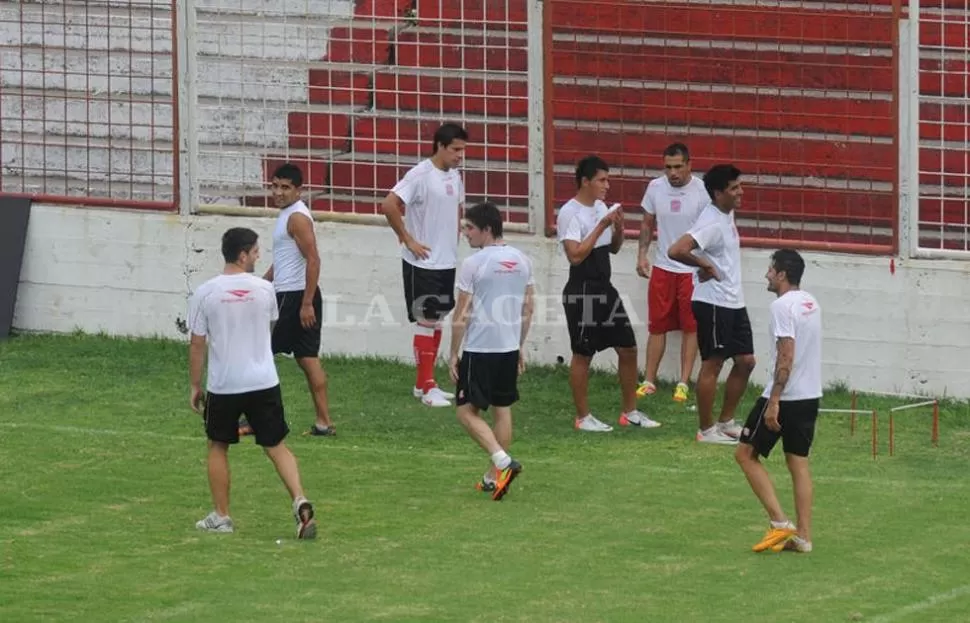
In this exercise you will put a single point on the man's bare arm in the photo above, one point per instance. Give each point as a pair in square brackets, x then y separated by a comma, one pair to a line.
[647, 226]
[459, 321]
[301, 229]
[196, 360]
[783, 366]
[576, 252]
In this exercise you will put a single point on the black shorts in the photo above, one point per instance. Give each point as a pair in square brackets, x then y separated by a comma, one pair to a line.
[289, 336]
[596, 318]
[721, 331]
[488, 379]
[263, 410]
[797, 419]
[428, 293]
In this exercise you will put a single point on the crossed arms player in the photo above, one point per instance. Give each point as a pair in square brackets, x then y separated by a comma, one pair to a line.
[723, 326]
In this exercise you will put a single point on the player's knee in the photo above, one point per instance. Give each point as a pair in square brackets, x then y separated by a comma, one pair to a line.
[627, 352]
[746, 363]
[745, 455]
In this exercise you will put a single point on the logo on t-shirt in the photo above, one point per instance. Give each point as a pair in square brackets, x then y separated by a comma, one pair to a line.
[508, 265]
[241, 296]
[450, 190]
[675, 205]
[809, 307]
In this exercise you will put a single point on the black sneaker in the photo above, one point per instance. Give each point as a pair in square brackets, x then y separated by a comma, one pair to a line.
[326, 431]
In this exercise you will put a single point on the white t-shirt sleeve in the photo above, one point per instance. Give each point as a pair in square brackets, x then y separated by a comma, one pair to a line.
[573, 229]
[466, 275]
[531, 281]
[782, 320]
[706, 235]
[647, 203]
[411, 188]
[198, 324]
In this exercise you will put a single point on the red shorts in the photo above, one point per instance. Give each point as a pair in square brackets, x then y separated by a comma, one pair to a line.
[668, 302]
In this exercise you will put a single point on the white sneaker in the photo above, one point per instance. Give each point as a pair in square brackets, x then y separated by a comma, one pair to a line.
[214, 523]
[637, 418]
[417, 392]
[434, 397]
[592, 425]
[730, 428]
[714, 435]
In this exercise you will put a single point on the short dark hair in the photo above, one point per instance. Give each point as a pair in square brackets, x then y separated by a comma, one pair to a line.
[446, 134]
[789, 261]
[719, 177]
[291, 172]
[236, 241]
[486, 216]
[677, 149]
[588, 167]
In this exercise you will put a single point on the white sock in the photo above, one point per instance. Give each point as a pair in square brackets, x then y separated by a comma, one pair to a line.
[709, 430]
[501, 459]
[728, 423]
[778, 525]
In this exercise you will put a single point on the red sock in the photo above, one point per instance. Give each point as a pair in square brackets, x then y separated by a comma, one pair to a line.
[437, 341]
[424, 352]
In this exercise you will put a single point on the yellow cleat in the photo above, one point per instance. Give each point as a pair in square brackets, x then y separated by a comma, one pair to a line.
[645, 389]
[681, 392]
[773, 537]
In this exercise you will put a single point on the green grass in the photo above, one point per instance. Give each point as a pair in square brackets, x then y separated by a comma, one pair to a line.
[104, 478]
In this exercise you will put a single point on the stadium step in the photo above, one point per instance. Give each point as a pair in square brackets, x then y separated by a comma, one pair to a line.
[717, 63]
[511, 14]
[410, 138]
[360, 43]
[462, 50]
[634, 147]
[760, 200]
[852, 24]
[493, 95]
[369, 175]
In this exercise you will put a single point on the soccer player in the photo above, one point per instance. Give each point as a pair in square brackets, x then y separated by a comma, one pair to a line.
[295, 274]
[723, 327]
[788, 408]
[230, 317]
[432, 195]
[597, 320]
[671, 204]
[492, 317]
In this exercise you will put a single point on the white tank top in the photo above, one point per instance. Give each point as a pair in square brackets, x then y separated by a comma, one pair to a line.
[289, 266]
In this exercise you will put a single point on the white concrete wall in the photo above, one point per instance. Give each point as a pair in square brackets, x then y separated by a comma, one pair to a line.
[251, 68]
[131, 273]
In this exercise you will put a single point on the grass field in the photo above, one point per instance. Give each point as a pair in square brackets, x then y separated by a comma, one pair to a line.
[104, 479]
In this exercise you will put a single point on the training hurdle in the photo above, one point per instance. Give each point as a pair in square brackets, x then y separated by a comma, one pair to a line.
[922, 402]
[853, 411]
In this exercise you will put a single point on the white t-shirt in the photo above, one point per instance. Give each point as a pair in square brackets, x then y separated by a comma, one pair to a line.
[497, 277]
[676, 209]
[797, 315]
[233, 313]
[432, 198]
[719, 242]
[576, 221]
[289, 265]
